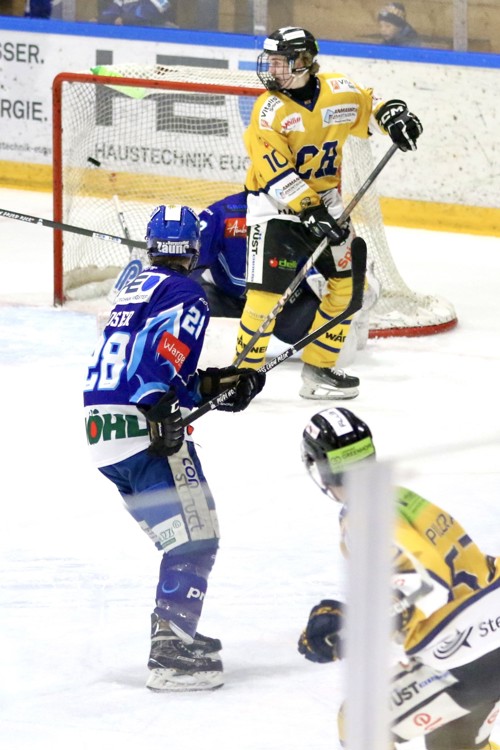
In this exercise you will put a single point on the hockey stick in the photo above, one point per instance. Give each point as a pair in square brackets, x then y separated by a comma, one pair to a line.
[70, 228]
[355, 304]
[121, 217]
[314, 256]
[133, 267]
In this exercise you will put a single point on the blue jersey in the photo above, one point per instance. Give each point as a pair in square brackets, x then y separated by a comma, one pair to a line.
[223, 243]
[152, 341]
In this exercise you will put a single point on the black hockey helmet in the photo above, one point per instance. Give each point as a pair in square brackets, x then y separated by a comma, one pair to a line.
[334, 440]
[291, 42]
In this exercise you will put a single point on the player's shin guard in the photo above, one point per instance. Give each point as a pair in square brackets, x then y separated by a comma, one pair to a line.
[181, 589]
[324, 351]
[257, 307]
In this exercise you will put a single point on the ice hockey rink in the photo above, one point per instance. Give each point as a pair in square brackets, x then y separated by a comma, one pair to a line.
[78, 576]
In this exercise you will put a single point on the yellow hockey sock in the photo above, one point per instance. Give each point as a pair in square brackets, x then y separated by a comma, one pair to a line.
[324, 351]
[257, 307]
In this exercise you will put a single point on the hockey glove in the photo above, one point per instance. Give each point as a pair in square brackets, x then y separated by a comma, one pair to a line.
[321, 224]
[248, 383]
[320, 641]
[165, 427]
[402, 126]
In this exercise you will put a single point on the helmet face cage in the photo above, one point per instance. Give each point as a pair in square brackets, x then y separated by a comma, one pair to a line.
[333, 442]
[173, 231]
[291, 42]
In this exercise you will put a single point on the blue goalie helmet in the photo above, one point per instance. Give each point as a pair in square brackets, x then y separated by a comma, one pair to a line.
[174, 232]
[334, 441]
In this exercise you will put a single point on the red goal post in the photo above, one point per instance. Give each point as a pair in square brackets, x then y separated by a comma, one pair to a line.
[156, 134]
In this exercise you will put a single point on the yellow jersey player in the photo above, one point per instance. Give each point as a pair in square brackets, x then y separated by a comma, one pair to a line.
[447, 596]
[294, 141]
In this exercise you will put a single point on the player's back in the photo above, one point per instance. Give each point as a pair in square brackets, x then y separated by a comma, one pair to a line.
[223, 243]
[465, 583]
[153, 336]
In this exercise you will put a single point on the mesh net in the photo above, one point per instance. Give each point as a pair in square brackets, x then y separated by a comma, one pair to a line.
[132, 144]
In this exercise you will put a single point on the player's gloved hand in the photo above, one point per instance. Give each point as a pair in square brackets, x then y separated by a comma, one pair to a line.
[165, 427]
[319, 222]
[320, 641]
[248, 383]
[402, 126]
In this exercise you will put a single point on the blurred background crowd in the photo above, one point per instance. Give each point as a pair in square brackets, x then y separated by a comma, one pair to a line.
[444, 24]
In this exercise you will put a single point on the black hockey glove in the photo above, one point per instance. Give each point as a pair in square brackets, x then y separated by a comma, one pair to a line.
[402, 126]
[320, 641]
[165, 427]
[321, 224]
[248, 383]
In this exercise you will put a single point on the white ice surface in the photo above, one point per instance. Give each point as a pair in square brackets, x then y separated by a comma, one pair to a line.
[78, 576]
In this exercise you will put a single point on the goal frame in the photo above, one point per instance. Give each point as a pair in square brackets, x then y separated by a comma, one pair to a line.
[397, 311]
[57, 139]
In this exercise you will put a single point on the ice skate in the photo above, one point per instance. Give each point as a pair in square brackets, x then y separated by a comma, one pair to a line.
[177, 665]
[323, 383]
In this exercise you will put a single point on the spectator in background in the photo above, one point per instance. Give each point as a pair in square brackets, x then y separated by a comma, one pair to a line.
[136, 12]
[394, 28]
[38, 8]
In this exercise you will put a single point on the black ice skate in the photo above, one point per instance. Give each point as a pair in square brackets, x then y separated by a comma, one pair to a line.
[179, 665]
[323, 383]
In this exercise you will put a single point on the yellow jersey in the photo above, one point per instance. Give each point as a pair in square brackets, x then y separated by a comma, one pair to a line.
[295, 148]
[458, 619]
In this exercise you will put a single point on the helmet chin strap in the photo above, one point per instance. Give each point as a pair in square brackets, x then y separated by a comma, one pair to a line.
[297, 74]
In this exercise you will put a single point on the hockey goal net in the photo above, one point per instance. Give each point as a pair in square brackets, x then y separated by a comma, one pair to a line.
[127, 138]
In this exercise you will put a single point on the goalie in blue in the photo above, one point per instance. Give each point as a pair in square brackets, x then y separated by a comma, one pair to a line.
[446, 592]
[142, 378]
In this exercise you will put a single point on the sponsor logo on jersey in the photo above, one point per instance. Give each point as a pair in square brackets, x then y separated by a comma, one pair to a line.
[340, 114]
[140, 289]
[341, 84]
[451, 644]
[112, 427]
[292, 122]
[492, 625]
[173, 350]
[415, 689]
[283, 263]
[288, 189]
[441, 709]
[255, 254]
[266, 115]
[439, 527]
[235, 227]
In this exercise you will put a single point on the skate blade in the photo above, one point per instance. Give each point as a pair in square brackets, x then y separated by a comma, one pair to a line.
[171, 680]
[320, 393]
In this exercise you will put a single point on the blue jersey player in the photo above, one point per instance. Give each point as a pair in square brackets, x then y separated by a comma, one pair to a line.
[142, 376]
[222, 270]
